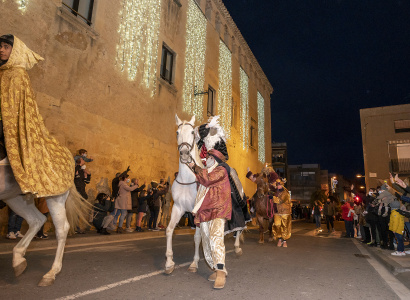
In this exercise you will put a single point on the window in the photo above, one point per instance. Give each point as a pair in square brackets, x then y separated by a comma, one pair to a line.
[211, 100]
[81, 8]
[167, 64]
[402, 126]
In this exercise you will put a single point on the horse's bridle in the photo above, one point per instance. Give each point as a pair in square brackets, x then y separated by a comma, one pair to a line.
[190, 147]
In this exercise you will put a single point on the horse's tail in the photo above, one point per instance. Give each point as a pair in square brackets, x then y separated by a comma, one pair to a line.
[77, 209]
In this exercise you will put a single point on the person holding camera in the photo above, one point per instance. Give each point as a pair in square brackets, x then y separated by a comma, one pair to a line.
[123, 202]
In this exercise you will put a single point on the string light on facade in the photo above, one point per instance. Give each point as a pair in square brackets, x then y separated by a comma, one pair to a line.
[194, 60]
[261, 128]
[225, 87]
[22, 4]
[244, 85]
[138, 45]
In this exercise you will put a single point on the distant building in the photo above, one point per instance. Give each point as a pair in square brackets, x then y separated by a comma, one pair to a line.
[305, 179]
[280, 159]
[386, 142]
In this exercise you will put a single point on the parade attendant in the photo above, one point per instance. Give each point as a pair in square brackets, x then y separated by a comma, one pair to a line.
[211, 136]
[42, 171]
[212, 209]
[283, 218]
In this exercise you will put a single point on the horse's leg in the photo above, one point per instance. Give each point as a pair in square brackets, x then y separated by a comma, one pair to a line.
[56, 206]
[270, 228]
[197, 238]
[25, 208]
[237, 244]
[176, 215]
[260, 221]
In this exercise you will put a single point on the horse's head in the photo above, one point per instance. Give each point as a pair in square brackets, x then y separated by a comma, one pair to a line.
[185, 139]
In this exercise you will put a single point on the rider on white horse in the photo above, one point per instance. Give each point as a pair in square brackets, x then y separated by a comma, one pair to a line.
[211, 136]
[37, 165]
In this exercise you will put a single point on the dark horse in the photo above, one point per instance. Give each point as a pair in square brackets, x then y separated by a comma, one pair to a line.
[262, 202]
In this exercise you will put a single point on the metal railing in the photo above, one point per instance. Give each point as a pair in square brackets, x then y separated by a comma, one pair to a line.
[76, 13]
[401, 166]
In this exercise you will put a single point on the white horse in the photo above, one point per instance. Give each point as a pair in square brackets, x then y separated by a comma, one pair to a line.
[23, 205]
[184, 190]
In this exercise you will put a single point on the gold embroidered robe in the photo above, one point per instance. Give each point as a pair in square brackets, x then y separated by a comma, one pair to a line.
[40, 164]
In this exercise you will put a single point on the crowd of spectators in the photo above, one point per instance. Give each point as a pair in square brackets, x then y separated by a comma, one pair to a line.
[150, 204]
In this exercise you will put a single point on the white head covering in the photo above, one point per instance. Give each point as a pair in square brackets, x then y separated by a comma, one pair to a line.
[21, 56]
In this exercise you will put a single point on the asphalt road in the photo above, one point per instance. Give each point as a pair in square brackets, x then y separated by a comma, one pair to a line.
[312, 267]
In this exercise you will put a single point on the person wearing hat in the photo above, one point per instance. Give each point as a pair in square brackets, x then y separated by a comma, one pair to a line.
[41, 166]
[397, 226]
[213, 207]
[283, 218]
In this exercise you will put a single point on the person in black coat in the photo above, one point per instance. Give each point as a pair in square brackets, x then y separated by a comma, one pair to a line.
[134, 199]
[101, 220]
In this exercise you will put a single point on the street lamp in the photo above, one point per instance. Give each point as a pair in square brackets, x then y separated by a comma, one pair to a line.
[359, 176]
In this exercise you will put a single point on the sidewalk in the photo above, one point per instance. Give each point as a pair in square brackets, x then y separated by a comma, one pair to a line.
[90, 237]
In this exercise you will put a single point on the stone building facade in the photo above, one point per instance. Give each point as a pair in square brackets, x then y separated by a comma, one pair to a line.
[386, 142]
[116, 72]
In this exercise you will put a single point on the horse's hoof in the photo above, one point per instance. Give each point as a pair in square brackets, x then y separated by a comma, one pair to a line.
[20, 268]
[193, 269]
[46, 281]
[239, 252]
[169, 270]
[261, 242]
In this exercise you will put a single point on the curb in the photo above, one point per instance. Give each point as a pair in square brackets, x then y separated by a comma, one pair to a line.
[387, 262]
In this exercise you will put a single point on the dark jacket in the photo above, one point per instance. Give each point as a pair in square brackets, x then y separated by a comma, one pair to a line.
[329, 209]
[79, 181]
[156, 198]
[100, 212]
[134, 199]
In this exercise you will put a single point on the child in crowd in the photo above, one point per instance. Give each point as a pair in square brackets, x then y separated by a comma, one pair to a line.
[397, 227]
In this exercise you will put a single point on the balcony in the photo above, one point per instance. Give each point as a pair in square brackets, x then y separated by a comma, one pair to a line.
[400, 166]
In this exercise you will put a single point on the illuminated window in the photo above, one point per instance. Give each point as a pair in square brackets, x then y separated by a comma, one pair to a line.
[211, 101]
[167, 64]
[81, 8]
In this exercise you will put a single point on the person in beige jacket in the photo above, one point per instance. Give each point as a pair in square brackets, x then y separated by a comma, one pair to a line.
[123, 202]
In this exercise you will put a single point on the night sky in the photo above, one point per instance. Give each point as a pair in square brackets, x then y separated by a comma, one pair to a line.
[327, 59]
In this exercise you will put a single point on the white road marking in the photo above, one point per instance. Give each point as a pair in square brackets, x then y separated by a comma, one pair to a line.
[120, 283]
[92, 244]
[398, 288]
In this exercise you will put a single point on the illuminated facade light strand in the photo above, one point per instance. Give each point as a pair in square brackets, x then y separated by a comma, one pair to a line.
[225, 87]
[194, 60]
[137, 49]
[244, 89]
[261, 128]
[22, 4]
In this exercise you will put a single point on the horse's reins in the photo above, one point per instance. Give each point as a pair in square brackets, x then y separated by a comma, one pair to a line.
[190, 147]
